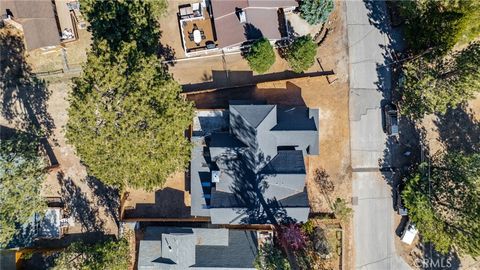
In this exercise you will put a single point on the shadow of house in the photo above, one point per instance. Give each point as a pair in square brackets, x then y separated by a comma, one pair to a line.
[291, 95]
[169, 203]
[24, 97]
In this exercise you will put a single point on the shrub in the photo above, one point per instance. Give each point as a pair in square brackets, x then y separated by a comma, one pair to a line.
[316, 11]
[261, 56]
[301, 54]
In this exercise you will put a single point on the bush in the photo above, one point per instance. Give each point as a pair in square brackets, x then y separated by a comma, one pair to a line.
[261, 56]
[341, 210]
[301, 54]
[271, 258]
[316, 11]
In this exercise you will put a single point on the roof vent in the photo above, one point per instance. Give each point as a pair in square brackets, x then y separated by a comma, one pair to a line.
[215, 176]
[241, 15]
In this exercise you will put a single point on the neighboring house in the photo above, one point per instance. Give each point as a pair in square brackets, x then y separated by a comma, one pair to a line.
[45, 23]
[50, 225]
[197, 248]
[248, 164]
[227, 25]
[238, 21]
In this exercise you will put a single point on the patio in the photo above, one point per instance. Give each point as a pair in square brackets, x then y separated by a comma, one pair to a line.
[196, 27]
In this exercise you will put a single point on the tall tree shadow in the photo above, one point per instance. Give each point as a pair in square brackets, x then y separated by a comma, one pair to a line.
[79, 206]
[249, 187]
[459, 130]
[24, 97]
[107, 197]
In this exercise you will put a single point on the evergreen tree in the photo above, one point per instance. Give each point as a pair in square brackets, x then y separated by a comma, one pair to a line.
[21, 177]
[112, 255]
[301, 54]
[438, 25]
[261, 56]
[127, 119]
[443, 201]
[316, 11]
[434, 86]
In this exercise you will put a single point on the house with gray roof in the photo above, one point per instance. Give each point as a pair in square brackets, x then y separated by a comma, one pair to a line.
[249, 168]
[197, 248]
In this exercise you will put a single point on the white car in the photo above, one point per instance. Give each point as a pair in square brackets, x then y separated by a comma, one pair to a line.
[409, 233]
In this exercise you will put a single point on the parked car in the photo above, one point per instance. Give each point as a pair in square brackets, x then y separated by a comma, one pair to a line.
[390, 125]
[409, 233]
[401, 210]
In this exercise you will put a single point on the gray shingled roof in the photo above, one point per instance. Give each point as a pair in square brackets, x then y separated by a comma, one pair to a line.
[250, 162]
[197, 248]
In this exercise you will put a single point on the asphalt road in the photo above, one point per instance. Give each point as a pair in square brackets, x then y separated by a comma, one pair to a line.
[374, 228]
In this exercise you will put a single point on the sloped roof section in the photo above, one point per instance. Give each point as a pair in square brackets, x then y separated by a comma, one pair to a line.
[254, 115]
[38, 20]
[197, 248]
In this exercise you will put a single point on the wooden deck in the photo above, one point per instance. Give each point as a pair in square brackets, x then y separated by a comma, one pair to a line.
[203, 23]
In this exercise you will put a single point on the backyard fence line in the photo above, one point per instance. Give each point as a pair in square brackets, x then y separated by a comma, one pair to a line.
[70, 71]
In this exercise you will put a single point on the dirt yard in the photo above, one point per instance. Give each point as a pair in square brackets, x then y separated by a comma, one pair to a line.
[75, 54]
[171, 201]
[31, 103]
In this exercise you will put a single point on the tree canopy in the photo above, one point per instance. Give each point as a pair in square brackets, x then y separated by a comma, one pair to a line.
[21, 177]
[126, 116]
[124, 21]
[443, 201]
[432, 86]
[439, 25]
[127, 119]
[111, 254]
[261, 56]
[316, 11]
[271, 258]
[301, 53]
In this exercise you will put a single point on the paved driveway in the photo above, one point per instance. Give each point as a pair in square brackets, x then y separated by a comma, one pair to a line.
[374, 228]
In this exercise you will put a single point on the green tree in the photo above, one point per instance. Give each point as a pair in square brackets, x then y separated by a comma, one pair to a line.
[124, 21]
[111, 254]
[432, 86]
[439, 25]
[21, 177]
[261, 56]
[301, 54]
[127, 119]
[443, 201]
[341, 209]
[271, 258]
[316, 11]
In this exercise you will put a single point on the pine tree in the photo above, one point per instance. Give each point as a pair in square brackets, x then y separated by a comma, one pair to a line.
[301, 54]
[21, 177]
[127, 119]
[433, 86]
[316, 11]
[443, 201]
[111, 254]
[261, 55]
